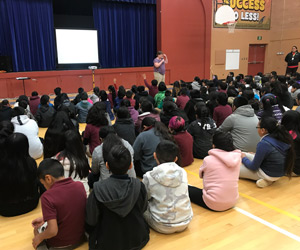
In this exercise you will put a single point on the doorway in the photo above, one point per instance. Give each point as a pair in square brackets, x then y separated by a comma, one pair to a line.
[256, 58]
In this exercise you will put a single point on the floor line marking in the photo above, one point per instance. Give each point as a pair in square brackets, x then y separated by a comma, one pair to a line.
[270, 206]
[295, 217]
[192, 173]
[268, 224]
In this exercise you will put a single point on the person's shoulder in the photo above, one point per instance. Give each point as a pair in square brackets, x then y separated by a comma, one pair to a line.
[194, 123]
[98, 150]
[187, 134]
[126, 144]
[218, 108]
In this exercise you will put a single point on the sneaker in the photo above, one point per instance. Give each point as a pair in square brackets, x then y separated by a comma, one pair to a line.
[261, 183]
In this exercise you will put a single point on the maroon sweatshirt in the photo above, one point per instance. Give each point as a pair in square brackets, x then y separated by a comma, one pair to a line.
[185, 144]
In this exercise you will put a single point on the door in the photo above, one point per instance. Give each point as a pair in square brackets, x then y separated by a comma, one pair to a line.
[256, 59]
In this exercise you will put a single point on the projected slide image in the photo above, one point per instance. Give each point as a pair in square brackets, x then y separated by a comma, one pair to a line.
[76, 46]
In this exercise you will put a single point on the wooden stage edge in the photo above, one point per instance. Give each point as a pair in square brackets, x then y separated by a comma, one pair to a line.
[44, 82]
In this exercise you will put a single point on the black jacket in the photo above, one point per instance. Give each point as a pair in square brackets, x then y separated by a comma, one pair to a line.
[114, 214]
[297, 153]
[202, 136]
[5, 114]
[290, 61]
[189, 108]
[140, 95]
[124, 127]
[44, 115]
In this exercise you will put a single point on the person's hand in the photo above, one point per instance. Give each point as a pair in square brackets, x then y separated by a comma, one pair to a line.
[165, 55]
[243, 155]
[115, 80]
[144, 76]
[36, 241]
[37, 222]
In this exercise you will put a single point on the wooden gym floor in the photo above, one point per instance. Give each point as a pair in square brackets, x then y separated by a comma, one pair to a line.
[266, 218]
[263, 219]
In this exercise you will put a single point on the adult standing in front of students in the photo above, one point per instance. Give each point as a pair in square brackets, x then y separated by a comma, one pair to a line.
[160, 66]
[292, 60]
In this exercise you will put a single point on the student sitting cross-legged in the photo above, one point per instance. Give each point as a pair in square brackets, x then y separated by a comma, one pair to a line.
[169, 209]
[115, 207]
[63, 207]
[220, 173]
[274, 156]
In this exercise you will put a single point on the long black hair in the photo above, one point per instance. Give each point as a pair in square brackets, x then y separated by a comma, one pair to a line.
[74, 151]
[121, 92]
[112, 89]
[97, 91]
[279, 132]
[160, 129]
[103, 96]
[97, 115]
[202, 113]
[291, 121]
[6, 129]
[54, 137]
[18, 169]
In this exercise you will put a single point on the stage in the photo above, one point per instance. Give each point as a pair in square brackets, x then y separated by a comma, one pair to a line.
[44, 82]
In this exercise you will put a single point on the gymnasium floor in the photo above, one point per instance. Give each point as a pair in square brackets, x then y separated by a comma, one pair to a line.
[266, 218]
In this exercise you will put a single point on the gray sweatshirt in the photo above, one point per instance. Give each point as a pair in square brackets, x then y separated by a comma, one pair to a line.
[98, 164]
[242, 126]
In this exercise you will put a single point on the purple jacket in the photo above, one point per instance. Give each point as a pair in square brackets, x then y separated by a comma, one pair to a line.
[133, 113]
[277, 114]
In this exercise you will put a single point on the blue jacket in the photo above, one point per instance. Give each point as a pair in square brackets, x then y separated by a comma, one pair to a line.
[270, 157]
[108, 110]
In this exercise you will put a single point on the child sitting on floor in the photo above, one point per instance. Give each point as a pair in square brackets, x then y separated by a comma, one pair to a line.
[183, 139]
[63, 206]
[169, 209]
[274, 156]
[220, 173]
[116, 205]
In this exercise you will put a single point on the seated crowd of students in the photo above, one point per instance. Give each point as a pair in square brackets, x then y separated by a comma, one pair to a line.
[148, 134]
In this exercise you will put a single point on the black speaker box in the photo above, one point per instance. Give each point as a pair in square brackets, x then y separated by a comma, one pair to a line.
[6, 63]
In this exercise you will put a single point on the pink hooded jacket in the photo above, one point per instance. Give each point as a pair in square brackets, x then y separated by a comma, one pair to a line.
[220, 173]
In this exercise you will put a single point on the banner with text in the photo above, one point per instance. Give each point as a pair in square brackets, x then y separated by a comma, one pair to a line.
[249, 14]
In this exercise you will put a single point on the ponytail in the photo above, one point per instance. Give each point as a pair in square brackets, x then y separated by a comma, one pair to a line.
[202, 113]
[279, 132]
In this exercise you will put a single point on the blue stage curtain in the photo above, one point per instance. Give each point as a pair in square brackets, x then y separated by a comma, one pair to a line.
[27, 34]
[126, 32]
[133, 1]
